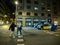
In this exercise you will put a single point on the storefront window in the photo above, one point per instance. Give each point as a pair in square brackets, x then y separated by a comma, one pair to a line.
[28, 22]
[35, 22]
[19, 20]
[42, 20]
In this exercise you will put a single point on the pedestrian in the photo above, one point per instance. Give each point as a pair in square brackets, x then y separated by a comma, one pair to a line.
[52, 27]
[55, 24]
[19, 29]
[12, 28]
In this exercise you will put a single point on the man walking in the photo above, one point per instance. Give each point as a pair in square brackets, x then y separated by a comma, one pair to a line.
[19, 29]
[55, 24]
[12, 28]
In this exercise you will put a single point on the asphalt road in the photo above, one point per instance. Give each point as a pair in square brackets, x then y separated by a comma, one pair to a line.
[4, 36]
[41, 37]
[31, 37]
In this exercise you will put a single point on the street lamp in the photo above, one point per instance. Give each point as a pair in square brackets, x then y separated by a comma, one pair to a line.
[16, 11]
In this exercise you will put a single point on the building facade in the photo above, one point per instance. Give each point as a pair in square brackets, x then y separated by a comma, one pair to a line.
[33, 12]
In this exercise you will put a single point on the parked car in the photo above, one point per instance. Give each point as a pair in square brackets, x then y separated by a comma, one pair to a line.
[39, 26]
[46, 26]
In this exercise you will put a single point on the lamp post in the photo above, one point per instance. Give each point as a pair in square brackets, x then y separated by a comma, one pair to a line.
[16, 11]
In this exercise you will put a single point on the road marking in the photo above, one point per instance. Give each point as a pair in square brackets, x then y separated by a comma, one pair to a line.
[57, 35]
[20, 44]
[20, 36]
[45, 30]
[51, 33]
[20, 40]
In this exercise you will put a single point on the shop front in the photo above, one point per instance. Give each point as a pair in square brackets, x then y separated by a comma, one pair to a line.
[28, 22]
[42, 20]
[19, 20]
[35, 22]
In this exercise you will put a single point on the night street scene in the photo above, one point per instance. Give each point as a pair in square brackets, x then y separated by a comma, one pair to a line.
[29, 22]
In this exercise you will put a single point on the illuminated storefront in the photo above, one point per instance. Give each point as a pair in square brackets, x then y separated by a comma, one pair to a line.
[20, 20]
[42, 20]
[35, 22]
[28, 22]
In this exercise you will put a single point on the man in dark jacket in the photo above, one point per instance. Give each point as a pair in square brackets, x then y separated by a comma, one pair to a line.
[19, 29]
[12, 28]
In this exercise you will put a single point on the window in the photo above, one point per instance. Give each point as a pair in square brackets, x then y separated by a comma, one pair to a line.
[42, 3]
[20, 7]
[28, 7]
[28, 22]
[28, 13]
[20, 13]
[36, 14]
[20, 1]
[55, 12]
[54, 3]
[49, 15]
[28, 1]
[42, 14]
[55, 8]
[36, 7]
[48, 5]
[35, 2]
[43, 8]
[48, 10]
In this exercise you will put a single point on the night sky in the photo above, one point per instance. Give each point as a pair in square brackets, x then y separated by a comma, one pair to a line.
[7, 7]
[10, 4]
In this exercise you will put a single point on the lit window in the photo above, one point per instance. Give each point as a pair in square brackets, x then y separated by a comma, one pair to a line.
[35, 8]
[48, 10]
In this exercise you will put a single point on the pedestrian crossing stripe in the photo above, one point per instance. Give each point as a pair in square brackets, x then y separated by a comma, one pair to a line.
[20, 44]
[45, 30]
[20, 36]
[57, 35]
[51, 33]
[20, 40]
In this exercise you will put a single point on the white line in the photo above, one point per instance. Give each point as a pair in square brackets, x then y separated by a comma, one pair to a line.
[20, 44]
[20, 40]
[20, 36]
[57, 35]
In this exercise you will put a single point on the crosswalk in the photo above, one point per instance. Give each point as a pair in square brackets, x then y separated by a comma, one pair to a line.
[20, 40]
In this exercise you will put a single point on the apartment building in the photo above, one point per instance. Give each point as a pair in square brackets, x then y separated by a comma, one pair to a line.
[33, 12]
